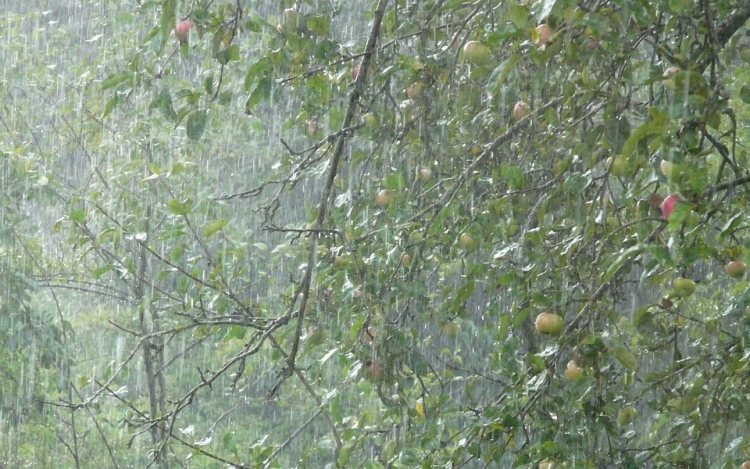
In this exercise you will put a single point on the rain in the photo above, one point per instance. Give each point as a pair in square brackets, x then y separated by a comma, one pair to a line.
[379, 234]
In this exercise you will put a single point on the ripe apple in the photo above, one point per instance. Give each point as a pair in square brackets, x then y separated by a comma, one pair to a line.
[414, 90]
[451, 329]
[547, 464]
[541, 35]
[374, 371]
[384, 198]
[477, 53]
[668, 205]
[182, 31]
[671, 71]
[618, 165]
[475, 150]
[683, 287]
[424, 174]
[549, 323]
[521, 110]
[312, 127]
[466, 241]
[290, 19]
[573, 372]
[355, 72]
[736, 269]
[627, 415]
[405, 259]
[745, 465]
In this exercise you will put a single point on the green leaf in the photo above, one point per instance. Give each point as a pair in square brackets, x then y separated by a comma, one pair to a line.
[745, 94]
[260, 93]
[625, 357]
[163, 103]
[657, 125]
[115, 79]
[180, 208]
[624, 257]
[78, 215]
[320, 25]
[501, 72]
[196, 124]
[214, 227]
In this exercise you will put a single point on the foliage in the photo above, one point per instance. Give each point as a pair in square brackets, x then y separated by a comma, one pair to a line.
[322, 240]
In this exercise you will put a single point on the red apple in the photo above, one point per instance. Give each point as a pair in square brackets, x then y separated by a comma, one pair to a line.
[477, 53]
[549, 323]
[405, 259]
[290, 19]
[521, 110]
[182, 31]
[745, 465]
[668, 205]
[414, 90]
[542, 34]
[374, 371]
[355, 72]
[736, 269]
[384, 198]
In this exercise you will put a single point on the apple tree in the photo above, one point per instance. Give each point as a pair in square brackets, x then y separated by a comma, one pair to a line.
[361, 212]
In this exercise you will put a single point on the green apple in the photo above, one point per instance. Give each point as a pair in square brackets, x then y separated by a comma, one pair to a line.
[618, 165]
[627, 415]
[466, 241]
[683, 287]
[547, 464]
[549, 323]
[477, 53]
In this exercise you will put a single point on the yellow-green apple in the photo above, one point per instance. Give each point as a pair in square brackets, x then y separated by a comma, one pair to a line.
[627, 415]
[477, 53]
[683, 286]
[547, 464]
[549, 323]
[618, 165]
[466, 241]
[573, 372]
[669, 169]
[736, 269]
[182, 30]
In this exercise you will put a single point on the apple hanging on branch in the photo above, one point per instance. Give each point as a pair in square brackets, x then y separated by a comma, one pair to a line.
[182, 31]
[549, 323]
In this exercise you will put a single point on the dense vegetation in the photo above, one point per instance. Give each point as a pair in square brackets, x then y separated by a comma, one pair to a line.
[322, 234]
